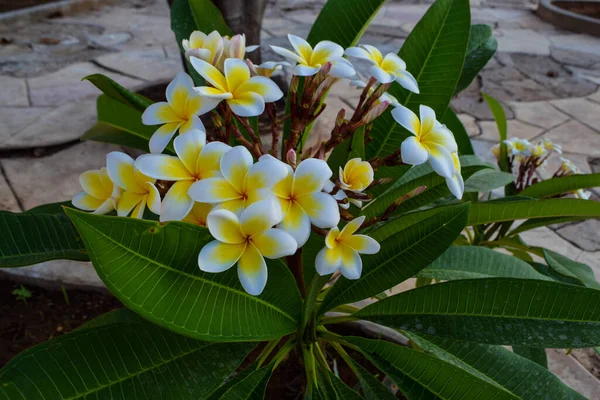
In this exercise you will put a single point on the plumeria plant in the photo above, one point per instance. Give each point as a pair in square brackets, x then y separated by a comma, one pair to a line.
[244, 240]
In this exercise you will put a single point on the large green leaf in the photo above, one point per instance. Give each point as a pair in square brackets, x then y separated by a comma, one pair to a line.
[208, 17]
[434, 53]
[441, 379]
[117, 92]
[42, 234]
[119, 123]
[153, 269]
[535, 354]
[487, 180]
[498, 211]
[503, 311]
[538, 222]
[499, 366]
[251, 387]
[473, 262]
[500, 118]
[560, 185]
[372, 388]
[574, 272]
[332, 388]
[404, 253]
[132, 360]
[461, 135]
[482, 46]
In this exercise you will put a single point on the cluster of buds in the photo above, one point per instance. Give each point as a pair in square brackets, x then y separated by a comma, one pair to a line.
[256, 202]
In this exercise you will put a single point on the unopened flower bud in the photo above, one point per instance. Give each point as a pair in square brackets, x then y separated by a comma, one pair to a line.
[341, 117]
[374, 112]
[237, 46]
[290, 157]
[253, 70]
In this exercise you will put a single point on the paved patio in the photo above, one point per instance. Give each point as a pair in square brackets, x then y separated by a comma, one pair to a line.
[547, 78]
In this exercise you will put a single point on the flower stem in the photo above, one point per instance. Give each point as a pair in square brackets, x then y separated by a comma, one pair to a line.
[295, 264]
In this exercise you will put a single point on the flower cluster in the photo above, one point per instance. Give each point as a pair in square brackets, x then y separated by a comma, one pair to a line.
[256, 203]
[527, 161]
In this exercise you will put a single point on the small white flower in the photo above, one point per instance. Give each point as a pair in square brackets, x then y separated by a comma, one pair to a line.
[582, 194]
[99, 194]
[569, 166]
[551, 146]
[206, 47]
[519, 147]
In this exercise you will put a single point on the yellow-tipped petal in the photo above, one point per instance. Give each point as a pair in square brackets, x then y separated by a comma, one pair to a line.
[225, 227]
[325, 51]
[328, 260]
[214, 191]
[85, 202]
[259, 217]
[303, 49]
[236, 72]
[188, 147]
[310, 176]
[362, 244]
[218, 257]
[93, 183]
[234, 166]
[274, 243]
[159, 113]
[262, 86]
[427, 117]
[321, 208]
[177, 203]
[210, 73]
[209, 160]
[162, 136]
[252, 271]
[351, 266]
[332, 237]
[128, 201]
[351, 227]
[121, 170]
[297, 223]
[164, 167]
[247, 104]
[199, 214]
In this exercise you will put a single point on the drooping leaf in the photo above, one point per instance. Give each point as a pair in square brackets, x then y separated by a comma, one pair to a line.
[561, 185]
[474, 262]
[420, 375]
[117, 92]
[372, 388]
[124, 360]
[434, 53]
[538, 222]
[153, 269]
[461, 135]
[496, 211]
[487, 180]
[575, 272]
[500, 118]
[333, 388]
[497, 365]
[535, 354]
[251, 387]
[208, 17]
[41, 234]
[482, 46]
[182, 25]
[405, 252]
[503, 311]
[118, 316]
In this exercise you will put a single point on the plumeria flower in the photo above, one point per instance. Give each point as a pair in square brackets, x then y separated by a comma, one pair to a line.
[342, 249]
[309, 61]
[430, 141]
[206, 47]
[384, 97]
[496, 150]
[582, 194]
[180, 111]
[302, 200]
[550, 146]
[356, 176]
[385, 69]
[234, 47]
[267, 68]
[519, 148]
[569, 166]
[245, 95]
[199, 214]
[246, 240]
[138, 189]
[242, 182]
[539, 150]
[195, 160]
[99, 194]
[456, 183]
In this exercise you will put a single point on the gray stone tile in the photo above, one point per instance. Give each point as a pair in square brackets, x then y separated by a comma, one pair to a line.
[545, 237]
[148, 64]
[574, 57]
[583, 110]
[553, 163]
[586, 234]
[579, 42]
[489, 130]
[15, 119]
[523, 41]
[540, 113]
[572, 373]
[14, 92]
[595, 97]
[470, 125]
[57, 272]
[576, 137]
[8, 202]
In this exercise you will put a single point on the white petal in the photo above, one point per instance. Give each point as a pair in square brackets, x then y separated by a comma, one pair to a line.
[236, 72]
[342, 68]
[381, 75]
[407, 81]
[154, 202]
[213, 191]
[218, 257]
[247, 104]
[225, 226]
[162, 166]
[235, 164]
[441, 161]
[188, 146]
[407, 119]
[311, 176]
[265, 174]
[302, 47]
[352, 226]
[427, 117]
[210, 73]
[263, 86]
[456, 185]
[260, 216]
[213, 93]
[391, 62]
[328, 261]
[85, 202]
[182, 80]
[321, 208]
[161, 138]
[275, 243]
[287, 54]
[305, 70]
[413, 152]
[251, 48]
[325, 51]
[121, 170]
[362, 244]
[194, 123]
[252, 271]
[297, 224]
[177, 203]
[106, 207]
[159, 113]
[359, 52]
[351, 263]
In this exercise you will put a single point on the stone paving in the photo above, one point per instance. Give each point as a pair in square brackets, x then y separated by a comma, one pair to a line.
[547, 78]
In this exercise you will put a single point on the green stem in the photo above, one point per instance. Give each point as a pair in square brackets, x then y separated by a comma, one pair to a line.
[310, 305]
[320, 356]
[337, 319]
[345, 308]
[264, 354]
[309, 367]
[345, 356]
[295, 264]
[283, 352]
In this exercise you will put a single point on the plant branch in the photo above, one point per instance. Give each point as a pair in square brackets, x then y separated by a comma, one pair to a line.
[295, 264]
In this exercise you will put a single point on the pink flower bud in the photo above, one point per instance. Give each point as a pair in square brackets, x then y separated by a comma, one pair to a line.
[237, 46]
[290, 157]
[375, 112]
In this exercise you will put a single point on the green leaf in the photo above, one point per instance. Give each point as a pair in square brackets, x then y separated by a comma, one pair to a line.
[486, 212]
[487, 180]
[535, 354]
[407, 367]
[434, 53]
[577, 273]
[405, 252]
[251, 387]
[208, 17]
[461, 135]
[41, 234]
[372, 388]
[498, 366]
[333, 388]
[347, 150]
[503, 311]
[117, 92]
[561, 185]
[153, 269]
[119, 123]
[537, 222]
[122, 360]
[500, 118]
[50, 208]
[474, 262]
[121, 315]
[182, 25]
[482, 46]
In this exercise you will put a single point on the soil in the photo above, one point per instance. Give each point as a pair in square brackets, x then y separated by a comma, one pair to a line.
[9, 5]
[45, 315]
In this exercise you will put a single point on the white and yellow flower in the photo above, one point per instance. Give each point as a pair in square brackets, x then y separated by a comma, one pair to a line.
[179, 112]
[456, 183]
[246, 240]
[138, 189]
[99, 194]
[430, 141]
[518, 148]
[385, 69]
[568, 166]
[582, 194]
[342, 249]
[384, 97]
[356, 176]
[196, 160]
[245, 95]
[550, 146]
[198, 214]
[268, 68]
[303, 202]
[496, 150]
[538, 150]
[242, 182]
[309, 61]
[206, 47]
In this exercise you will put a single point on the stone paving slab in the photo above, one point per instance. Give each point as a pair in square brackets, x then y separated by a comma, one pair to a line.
[584, 234]
[515, 128]
[14, 92]
[59, 272]
[576, 137]
[583, 110]
[14, 119]
[571, 372]
[149, 64]
[8, 202]
[540, 113]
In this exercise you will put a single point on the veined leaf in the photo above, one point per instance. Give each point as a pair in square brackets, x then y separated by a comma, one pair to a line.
[560, 185]
[503, 311]
[481, 48]
[443, 380]
[121, 360]
[153, 269]
[118, 316]
[537, 222]
[404, 253]
[461, 135]
[500, 118]
[117, 92]
[486, 212]
[577, 273]
[535, 354]
[371, 386]
[434, 53]
[251, 387]
[333, 388]
[487, 180]
[498, 366]
[208, 17]
[473, 262]
[41, 234]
